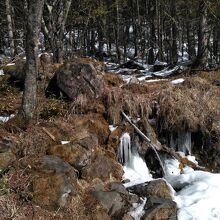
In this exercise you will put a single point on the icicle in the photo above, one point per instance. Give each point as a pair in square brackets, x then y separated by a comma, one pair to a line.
[124, 153]
[184, 142]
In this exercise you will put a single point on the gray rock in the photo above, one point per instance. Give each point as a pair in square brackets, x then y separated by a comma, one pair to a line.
[158, 209]
[74, 79]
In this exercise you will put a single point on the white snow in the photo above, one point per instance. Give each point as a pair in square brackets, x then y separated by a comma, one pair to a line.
[157, 62]
[6, 118]
[166, 72]
[138, 211]
[177, 81]
[112, 127]
[65, 142]
[199, 195]
[10, 64]
[155, 80]
[1, 72]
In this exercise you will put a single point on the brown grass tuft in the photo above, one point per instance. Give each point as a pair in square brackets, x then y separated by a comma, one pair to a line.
[194, 105]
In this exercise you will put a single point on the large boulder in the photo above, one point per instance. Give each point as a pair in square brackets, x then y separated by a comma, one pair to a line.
[75, 79]
[157, 209]
[104, 168]
[53, 183]
[78, 154]
[116, 200]
[156, 188]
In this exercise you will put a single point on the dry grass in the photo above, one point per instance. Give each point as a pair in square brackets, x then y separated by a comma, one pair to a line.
[134, 99]
[194, 105]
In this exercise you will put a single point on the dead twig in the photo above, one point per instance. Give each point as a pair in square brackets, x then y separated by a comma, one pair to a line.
[49, 134]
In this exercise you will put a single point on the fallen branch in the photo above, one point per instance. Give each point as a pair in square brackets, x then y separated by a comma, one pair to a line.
[49, 134]
[183, 160]
[145, 138]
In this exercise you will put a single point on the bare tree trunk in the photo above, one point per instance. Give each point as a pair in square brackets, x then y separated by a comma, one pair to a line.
[190, 41]
[160, 31]
[34, 17]
[117, 32]
[203, 38]
[216, 45]
[151, 15]
[10, 27]
[174, 53]
[54, 26]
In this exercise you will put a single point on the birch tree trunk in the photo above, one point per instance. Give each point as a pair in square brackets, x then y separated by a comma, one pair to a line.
[34, 16]
[10, 27]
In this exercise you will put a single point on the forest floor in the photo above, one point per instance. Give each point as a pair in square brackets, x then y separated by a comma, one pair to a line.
[53, 167]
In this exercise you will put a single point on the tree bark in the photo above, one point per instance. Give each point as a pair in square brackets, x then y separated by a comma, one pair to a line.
[203, 38]
[34, 17]
[174, 53]
[151, 15]
[10, 27]
[54, 26]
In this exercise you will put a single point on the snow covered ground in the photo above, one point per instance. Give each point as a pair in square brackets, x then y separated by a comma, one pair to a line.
[1, 72]
[199, 194]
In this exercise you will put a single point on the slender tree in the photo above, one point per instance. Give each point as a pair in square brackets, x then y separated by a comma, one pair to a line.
[34, 16]
[203, 37]
[10, 28]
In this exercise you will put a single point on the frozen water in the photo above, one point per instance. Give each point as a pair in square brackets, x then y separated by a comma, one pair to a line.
[137, 172]
[135, 168]
[124, 153]
[181, 142]
[199, 194]
[1, 72]
[138, 212]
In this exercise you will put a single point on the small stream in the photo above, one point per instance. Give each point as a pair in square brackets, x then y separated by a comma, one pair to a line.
[197, 193]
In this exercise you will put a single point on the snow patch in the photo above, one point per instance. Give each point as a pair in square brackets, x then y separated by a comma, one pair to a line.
[198, 197]
[65, 142]
[112, 128]
[177, 81]
[10, 64]
[6, 118]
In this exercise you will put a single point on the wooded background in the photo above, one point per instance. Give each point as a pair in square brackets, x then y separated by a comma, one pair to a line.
[119, 29]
